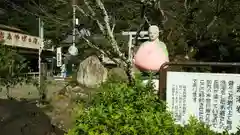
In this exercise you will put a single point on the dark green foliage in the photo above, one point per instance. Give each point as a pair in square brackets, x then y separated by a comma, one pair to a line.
[119, 109]
[202, 30]
[12, 67]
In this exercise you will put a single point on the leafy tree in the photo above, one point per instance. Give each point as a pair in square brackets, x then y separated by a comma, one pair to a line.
[193, 30]
[57, 17]
[15, 13]
[96, 11]
[25, 14]
[198, 30]
[12, 67]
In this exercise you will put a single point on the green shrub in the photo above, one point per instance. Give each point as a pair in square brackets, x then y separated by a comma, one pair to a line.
[119, 109]
[12, 68]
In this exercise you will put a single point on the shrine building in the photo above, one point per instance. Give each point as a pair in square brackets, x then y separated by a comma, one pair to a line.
[26, 45]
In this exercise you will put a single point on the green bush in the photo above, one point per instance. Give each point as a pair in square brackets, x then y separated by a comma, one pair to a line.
[119, 109]
[12, 68]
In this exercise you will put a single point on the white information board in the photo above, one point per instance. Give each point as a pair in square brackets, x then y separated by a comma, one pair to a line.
[212, 98]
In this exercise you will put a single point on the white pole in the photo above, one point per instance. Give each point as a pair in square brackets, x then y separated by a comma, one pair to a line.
[40, 50]
[74, 22]
[39, 53]
[130, 47]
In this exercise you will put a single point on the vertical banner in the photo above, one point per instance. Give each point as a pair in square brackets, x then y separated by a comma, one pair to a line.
[59, 57]
[212, 98]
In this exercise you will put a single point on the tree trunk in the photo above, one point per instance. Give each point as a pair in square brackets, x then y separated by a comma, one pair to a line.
[130, 74]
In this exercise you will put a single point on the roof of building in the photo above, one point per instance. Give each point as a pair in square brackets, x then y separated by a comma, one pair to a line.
[10, 28]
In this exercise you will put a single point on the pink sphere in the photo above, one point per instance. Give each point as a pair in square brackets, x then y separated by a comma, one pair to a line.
[150, 57]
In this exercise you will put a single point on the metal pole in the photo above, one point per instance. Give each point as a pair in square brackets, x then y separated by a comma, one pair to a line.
[39, 53]
[74, 22]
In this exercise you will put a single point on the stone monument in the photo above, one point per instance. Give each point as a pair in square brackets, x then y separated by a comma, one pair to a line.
[91, 72]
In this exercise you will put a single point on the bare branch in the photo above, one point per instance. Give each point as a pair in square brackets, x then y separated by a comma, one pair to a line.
[105, 53]
[94, 46]
[109, 30]
[106, 30]
[212, 22]
[113, 27]
[39, 7]
[146, 19]
[89, 8]
[169, 34]
[24, 11]
[186, 5]
[82, 11]
[208, 26]
[164, 16]
[158, 4]
[139, 31]
[92, 16]
[113, 23]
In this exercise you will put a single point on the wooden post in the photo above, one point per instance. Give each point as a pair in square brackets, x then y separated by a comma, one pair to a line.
[162, 83]
[43, 86]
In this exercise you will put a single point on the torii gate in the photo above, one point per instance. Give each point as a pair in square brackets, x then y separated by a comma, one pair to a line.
[132, 35]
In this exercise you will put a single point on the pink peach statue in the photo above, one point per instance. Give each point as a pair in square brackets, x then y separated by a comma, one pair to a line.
[151, 54]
